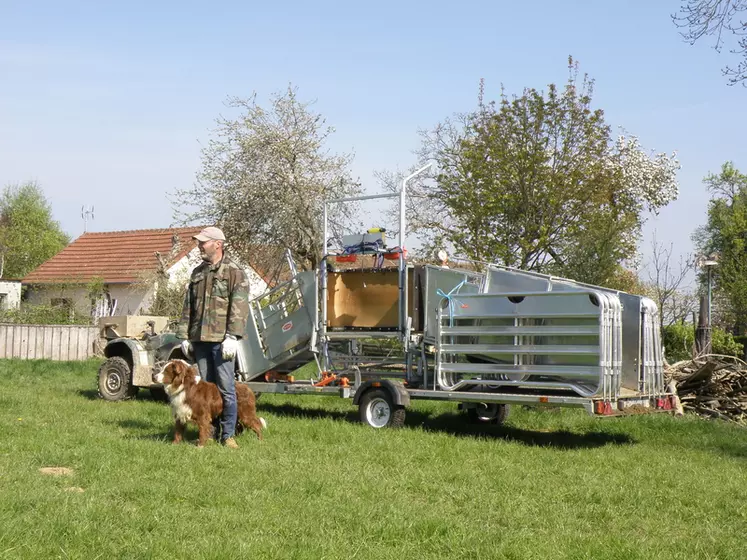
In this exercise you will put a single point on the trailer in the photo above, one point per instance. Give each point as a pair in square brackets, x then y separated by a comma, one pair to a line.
[382, 333]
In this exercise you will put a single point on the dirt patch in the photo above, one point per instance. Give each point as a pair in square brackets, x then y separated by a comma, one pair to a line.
[57, 471]
[636, 409]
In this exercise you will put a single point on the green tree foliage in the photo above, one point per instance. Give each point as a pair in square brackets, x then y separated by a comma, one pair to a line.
[725, 234]
[28, 233]
[264, 178]
[537, 181]
[678, 340]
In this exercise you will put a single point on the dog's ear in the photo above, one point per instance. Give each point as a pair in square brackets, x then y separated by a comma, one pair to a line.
[182, 367]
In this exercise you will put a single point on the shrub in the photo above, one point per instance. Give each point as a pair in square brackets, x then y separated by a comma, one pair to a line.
[678, 340]
[28, 314]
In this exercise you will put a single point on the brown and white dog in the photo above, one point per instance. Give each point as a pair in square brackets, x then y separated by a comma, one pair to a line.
[198, 401]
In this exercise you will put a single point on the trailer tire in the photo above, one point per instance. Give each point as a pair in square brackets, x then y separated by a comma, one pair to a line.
[115, 380]
[377, 409]
[488, 413]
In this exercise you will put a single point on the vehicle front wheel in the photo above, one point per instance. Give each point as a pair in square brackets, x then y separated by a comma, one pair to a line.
[377, 409]
[115, 380]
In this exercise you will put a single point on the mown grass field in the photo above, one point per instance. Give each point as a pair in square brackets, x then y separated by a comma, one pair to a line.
[549, 484]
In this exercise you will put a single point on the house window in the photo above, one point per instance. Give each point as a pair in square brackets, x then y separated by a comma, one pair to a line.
[3, 301]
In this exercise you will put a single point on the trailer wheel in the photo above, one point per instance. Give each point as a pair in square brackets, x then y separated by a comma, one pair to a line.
[115, 380]
[488, 413]
[377, 409]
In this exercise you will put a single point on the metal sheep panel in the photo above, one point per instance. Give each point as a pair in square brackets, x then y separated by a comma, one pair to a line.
[550, 340]
[652, 372]
[438, 281]
[280, 327]
[641, 367]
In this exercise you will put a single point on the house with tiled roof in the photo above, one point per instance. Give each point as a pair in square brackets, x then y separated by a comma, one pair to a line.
[129, 264]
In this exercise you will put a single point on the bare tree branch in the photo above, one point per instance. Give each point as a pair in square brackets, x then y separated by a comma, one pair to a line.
[719, 19]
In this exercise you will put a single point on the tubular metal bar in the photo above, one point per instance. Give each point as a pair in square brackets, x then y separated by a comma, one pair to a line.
[591, 330]
[299, 388]
[403, 324]
[362, 197]
[323, 323]
[558, 349]
[576, 387]
[354, 335]
[508, 398]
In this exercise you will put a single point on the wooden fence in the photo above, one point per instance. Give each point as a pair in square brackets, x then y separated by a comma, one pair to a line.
[51, 342]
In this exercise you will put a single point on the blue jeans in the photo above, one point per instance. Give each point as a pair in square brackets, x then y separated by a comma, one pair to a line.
[215, 369]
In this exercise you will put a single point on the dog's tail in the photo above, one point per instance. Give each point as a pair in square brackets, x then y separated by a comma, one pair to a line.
[263, 422]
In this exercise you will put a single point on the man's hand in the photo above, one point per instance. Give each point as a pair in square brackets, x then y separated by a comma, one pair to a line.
[187, 349]
[229, 346]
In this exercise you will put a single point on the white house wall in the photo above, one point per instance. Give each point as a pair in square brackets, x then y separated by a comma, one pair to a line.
[10, 294]
[131, 299]
[44, 294]
[180, 272]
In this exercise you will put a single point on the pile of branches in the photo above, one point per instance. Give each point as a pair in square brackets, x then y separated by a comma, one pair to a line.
[713, 386]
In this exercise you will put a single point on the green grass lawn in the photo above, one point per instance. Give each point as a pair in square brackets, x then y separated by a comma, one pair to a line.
[549, 484]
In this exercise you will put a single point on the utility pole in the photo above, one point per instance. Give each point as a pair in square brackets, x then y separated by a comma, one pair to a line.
[704, 331]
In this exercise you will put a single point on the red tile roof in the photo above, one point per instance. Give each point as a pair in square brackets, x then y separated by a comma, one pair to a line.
[114, 256]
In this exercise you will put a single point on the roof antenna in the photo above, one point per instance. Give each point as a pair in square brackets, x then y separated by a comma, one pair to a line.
[85, 213]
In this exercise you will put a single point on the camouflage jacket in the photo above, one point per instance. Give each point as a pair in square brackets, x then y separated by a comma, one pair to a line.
[217, 302]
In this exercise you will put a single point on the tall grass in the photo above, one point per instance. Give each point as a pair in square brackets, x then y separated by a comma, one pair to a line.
[549, 484]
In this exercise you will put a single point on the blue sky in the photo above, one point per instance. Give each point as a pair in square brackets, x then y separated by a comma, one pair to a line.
[106, 105]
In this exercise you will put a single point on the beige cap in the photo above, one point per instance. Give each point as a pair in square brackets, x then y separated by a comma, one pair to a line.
[209, 233]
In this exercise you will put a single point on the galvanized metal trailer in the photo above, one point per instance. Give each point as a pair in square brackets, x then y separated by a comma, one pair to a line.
[382, 333]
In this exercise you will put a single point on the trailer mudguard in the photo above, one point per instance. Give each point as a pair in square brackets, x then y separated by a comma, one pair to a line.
[396, 389]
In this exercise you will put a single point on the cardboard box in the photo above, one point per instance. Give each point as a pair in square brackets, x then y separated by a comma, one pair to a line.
[365, 299]
[129, 326]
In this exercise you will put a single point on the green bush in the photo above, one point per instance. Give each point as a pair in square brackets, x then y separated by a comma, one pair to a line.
[678, 341]
[168, 301]
[29, 314]
[724, 343]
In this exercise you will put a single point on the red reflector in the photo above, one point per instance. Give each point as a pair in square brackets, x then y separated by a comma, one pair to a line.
[375, 384]
[345, 258]
[544, 399]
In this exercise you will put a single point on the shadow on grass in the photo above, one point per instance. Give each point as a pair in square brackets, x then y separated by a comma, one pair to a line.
[142, 395]
[457, 425]
[308, 413]
[90, 394]
[144, 430]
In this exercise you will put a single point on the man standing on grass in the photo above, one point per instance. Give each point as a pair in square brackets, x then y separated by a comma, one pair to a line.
[213, 320]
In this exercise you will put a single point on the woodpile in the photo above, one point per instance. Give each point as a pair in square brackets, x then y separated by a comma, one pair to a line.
[712, 386]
